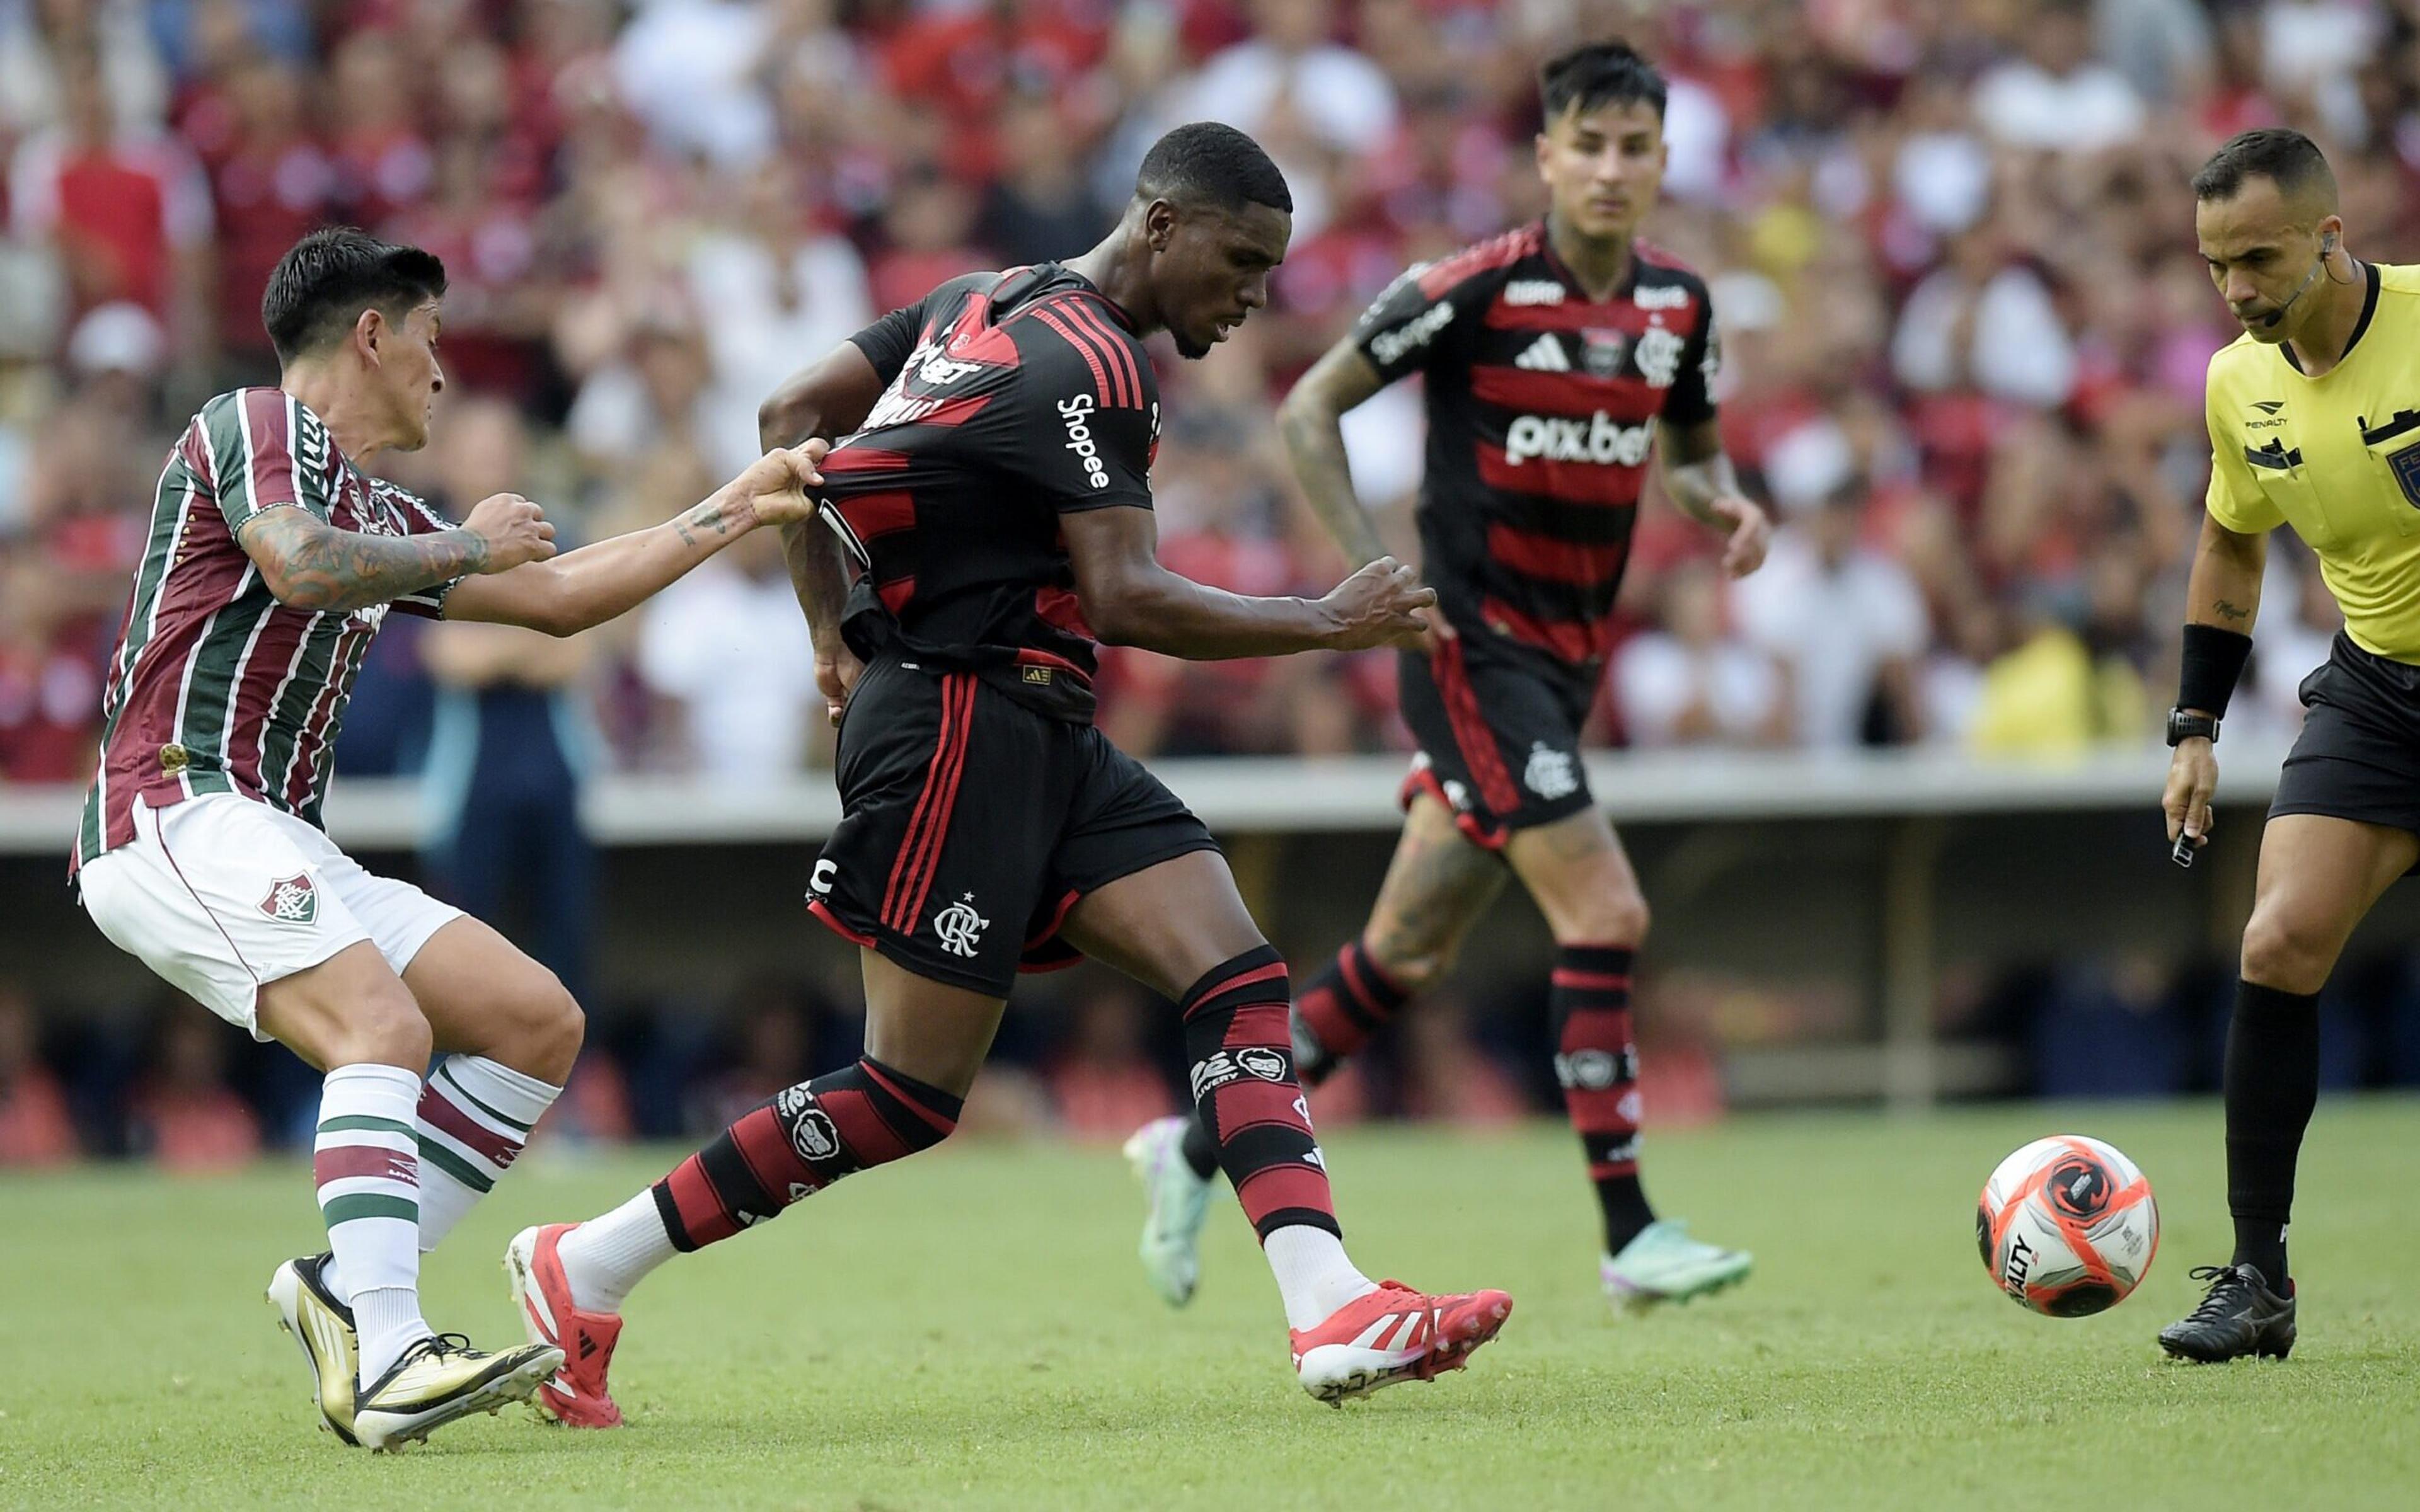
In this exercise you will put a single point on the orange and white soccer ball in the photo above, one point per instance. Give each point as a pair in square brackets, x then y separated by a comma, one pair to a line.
[2067, 1226]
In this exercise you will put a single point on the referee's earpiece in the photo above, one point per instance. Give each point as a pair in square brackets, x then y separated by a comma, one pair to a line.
[2327, 245]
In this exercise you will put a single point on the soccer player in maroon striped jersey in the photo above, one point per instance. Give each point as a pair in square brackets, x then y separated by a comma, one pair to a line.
[1558, 359]
[990, 487]
[273, 559]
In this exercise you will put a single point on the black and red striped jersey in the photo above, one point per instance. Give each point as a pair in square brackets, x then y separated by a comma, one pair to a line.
[216, 687]
[1011, 399]
[1541, 411]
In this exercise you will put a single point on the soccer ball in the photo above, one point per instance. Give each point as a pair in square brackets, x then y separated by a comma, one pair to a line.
[2067, 1226]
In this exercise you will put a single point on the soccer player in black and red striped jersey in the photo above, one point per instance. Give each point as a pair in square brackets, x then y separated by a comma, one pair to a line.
[273, 559]
[1559, 360]
[989, 492]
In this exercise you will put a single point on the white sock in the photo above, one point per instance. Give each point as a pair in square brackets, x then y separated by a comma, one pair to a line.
[1314, 1275]
[473, 1116]
[366, 1165]
[604, 1257]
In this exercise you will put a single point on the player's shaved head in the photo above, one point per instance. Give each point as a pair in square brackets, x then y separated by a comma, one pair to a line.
[2285, 157]
[1209, 165]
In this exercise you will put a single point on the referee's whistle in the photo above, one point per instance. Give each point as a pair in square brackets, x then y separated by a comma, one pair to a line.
[2182, 854]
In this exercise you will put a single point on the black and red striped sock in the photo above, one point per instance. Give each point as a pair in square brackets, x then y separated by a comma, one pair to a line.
[1245, 1095]
[1334, 1015]
[1339, 1010]
[1597, 1064]
[802, 1140]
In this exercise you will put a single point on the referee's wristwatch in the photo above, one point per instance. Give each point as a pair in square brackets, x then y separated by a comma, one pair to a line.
[2184, 726]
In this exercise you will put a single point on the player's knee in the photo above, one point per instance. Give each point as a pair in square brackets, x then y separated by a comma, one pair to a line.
[386, 1027]
[1413, 966]
[1614, 917]
[550, 1030]
[2288, 953]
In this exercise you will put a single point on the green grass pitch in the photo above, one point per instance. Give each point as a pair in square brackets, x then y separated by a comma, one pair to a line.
[970, 1332]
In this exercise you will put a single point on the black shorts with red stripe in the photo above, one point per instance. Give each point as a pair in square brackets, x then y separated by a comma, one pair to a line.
[1499, 734]
[972, 823]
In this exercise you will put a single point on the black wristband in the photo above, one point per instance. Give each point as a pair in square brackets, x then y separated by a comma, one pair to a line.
[2213, 660]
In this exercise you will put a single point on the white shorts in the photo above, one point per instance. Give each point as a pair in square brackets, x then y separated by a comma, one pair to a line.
[220, 894]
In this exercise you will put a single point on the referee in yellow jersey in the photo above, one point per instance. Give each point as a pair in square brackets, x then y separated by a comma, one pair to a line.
[2314, 423]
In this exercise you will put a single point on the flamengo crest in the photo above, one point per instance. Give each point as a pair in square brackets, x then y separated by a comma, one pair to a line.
[960, 927]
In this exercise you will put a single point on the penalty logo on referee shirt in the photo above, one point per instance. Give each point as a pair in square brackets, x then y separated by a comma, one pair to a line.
[292, 899]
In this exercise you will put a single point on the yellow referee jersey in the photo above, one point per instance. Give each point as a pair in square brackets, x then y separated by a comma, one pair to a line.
[2336, 456]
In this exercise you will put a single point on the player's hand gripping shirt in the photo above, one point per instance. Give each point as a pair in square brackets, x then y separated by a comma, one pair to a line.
[216, 687]
[1541, 409]
[1013, 398]
[2337, 457]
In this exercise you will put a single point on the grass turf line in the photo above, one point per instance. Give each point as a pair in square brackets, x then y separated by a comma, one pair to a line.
[971, 1331]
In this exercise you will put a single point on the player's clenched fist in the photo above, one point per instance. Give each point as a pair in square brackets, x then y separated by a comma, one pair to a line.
[516, 532]
[776, 484]
[1379, 606]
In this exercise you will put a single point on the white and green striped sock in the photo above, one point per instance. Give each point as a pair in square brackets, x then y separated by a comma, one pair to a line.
[365, 1165]
[475, 1116]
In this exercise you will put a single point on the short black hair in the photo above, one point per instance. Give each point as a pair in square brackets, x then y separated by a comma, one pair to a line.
[326, 280]
[1610, 72]
[1208, 163]
[2279, 153]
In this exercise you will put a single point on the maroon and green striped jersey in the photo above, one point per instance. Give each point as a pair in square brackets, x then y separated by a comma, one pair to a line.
[216, 687]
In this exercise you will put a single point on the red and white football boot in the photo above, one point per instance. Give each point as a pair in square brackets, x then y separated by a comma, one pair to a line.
[574, 1395]
[1394, 1334]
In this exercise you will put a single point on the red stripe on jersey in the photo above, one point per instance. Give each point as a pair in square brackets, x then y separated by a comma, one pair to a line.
[897, 593]
[874, 515]
[268, 419]
[863, 459]
[954, 411]
[1087, 313]
[1563, 562]
[1579, 395]
[1439, 279]
[1062, 611]
[1092, 356]
[1573, 640]
[1471, 735]
[256, 696]
[1611, 485]
[302, 774]
[1622, 314]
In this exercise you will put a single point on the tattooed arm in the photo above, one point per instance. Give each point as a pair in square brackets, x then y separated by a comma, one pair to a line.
[584, 588]
[1698, 478]
[2225, 589]
[311, 564]
[1312, 422]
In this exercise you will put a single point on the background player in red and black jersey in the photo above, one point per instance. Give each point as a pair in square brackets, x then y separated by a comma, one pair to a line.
[988, 499]
[1559, 357]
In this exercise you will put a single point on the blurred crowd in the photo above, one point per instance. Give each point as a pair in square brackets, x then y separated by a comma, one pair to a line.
[1951, 253]
[1949, 242]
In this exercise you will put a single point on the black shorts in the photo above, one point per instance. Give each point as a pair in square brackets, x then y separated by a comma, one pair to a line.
[2359, 755]
[970, 824]
[1499, 737]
